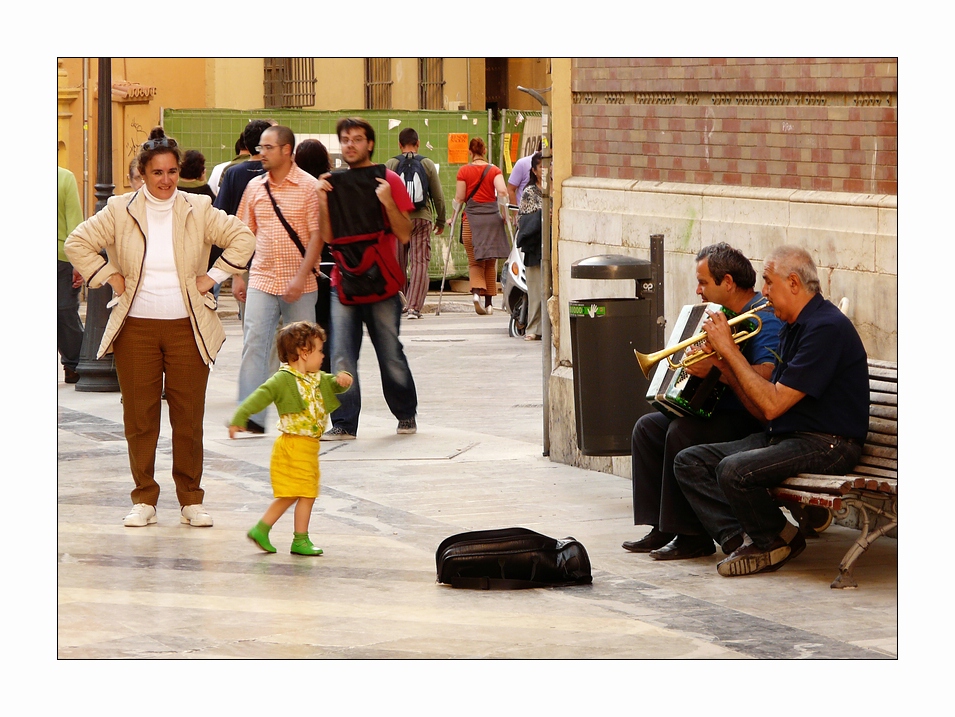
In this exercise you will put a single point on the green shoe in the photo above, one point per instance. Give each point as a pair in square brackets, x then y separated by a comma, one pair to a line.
[301, 545]
[260, 535]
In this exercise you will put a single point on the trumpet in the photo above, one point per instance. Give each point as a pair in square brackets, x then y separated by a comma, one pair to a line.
[648, 361]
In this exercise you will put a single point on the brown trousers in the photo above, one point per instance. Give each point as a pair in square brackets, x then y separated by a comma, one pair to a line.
[149, 352]
[482, 275]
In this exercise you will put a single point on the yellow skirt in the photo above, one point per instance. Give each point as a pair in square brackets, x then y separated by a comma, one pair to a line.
[294, 466]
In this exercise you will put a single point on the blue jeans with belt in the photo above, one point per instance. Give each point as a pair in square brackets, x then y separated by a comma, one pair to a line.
[383, 321]
[727, 484]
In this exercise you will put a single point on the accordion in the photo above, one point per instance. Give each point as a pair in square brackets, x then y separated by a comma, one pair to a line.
[673, 391]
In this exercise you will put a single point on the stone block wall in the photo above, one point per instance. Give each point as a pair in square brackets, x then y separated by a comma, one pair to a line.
[853, 239]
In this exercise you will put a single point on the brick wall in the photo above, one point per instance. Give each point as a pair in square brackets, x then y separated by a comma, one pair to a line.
[808, 123]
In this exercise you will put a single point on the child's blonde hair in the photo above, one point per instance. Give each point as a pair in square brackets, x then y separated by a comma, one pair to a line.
[294, 337]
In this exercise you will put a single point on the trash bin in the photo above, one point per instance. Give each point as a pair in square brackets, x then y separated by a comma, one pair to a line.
[609, 387]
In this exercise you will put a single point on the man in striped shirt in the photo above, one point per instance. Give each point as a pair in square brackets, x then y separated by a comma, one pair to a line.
[281, 282]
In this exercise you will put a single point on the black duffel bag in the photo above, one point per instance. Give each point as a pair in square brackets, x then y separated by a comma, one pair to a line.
[511, 559]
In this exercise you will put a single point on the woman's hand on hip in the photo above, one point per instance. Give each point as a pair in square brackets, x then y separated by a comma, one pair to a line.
[205, 283]
[118, 282]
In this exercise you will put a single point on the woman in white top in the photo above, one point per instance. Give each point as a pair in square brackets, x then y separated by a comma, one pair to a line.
[163, 326]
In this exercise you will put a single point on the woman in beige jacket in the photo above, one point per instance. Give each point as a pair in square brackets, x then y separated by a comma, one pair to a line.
[163, 328]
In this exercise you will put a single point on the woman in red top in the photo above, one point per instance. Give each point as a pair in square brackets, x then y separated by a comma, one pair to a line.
[482, 188]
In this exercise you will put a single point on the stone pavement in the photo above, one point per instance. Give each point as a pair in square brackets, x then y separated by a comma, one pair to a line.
[387, 501]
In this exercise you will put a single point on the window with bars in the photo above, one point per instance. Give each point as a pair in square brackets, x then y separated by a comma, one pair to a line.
[378, 83]
[289, 82]
[430, 83]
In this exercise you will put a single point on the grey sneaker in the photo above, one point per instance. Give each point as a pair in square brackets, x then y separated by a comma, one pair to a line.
[337, 434]
[140, 515]
[407, 426]
[195, 515]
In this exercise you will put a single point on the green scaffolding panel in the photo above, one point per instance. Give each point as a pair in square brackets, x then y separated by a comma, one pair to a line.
[214, 132]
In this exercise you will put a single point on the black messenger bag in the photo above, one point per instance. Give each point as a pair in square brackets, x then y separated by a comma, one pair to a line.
[511, 559]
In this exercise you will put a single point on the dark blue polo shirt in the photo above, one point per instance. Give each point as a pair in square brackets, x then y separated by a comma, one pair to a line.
[823, 356]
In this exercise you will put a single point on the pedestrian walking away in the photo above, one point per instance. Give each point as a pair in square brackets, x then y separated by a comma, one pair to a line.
[420, 176]
[366, 277]
[304, 395]
[480, 187]
[163, 329]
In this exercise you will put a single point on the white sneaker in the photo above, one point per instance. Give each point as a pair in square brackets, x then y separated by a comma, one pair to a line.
[139, 516]
[195, 515]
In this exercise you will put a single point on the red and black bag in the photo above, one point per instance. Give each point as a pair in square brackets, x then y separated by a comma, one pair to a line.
[365, 251]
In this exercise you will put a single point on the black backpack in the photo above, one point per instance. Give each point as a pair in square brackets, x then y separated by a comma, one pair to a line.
[413, 174]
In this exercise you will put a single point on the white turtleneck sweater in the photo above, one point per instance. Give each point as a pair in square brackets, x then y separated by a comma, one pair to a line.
[159, 295]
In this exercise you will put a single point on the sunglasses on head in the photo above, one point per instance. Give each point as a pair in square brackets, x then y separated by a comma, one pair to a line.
[162, 143]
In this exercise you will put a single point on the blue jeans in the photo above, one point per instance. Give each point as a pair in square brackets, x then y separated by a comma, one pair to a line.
[383, 320]
[262, 314]
[727, 484]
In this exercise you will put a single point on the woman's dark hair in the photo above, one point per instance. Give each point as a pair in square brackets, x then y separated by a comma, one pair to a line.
[158, 143]
[294, 337]
[193, 164]
[312, 156]
[477, 147]
[535, 163]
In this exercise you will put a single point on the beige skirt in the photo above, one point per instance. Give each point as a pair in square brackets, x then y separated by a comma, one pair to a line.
[294, 466]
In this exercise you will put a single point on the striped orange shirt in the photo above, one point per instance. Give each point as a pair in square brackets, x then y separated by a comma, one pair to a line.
[277, 259]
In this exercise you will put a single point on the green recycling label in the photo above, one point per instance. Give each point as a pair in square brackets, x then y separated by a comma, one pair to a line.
[591, 310]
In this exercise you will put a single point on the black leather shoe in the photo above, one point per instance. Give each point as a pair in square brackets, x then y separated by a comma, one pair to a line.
[651, 541]
[683, 547]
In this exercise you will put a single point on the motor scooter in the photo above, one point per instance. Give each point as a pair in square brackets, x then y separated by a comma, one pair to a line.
[514, 283]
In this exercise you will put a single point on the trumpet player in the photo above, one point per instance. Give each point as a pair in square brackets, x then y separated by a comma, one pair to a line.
[726, 277]
[816, 411]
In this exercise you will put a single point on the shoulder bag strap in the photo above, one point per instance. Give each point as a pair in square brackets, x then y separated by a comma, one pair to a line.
[288, 227]
[487, 168]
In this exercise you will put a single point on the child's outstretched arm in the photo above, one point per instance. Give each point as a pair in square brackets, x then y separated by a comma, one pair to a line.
[343, 379]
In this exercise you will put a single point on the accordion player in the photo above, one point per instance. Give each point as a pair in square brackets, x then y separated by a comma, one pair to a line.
[673, 390]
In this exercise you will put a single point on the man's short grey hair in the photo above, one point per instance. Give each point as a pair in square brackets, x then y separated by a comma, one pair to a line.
[786, 260]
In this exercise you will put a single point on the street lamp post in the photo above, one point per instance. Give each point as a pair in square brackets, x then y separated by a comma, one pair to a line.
[100, 374]
[547, 281]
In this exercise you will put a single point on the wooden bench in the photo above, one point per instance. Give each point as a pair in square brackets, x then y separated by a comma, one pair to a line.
[867, 497]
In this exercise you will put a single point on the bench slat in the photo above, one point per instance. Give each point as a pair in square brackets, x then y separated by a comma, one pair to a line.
[823, 500]
[880, 472]
[870, 449]
[888, 412]
[878, 462]
[883, 386]
[882, 439]
[879, 485]
[883, 374]
[883, 425]
[834, 485]
[879, 363]
[883, 399]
